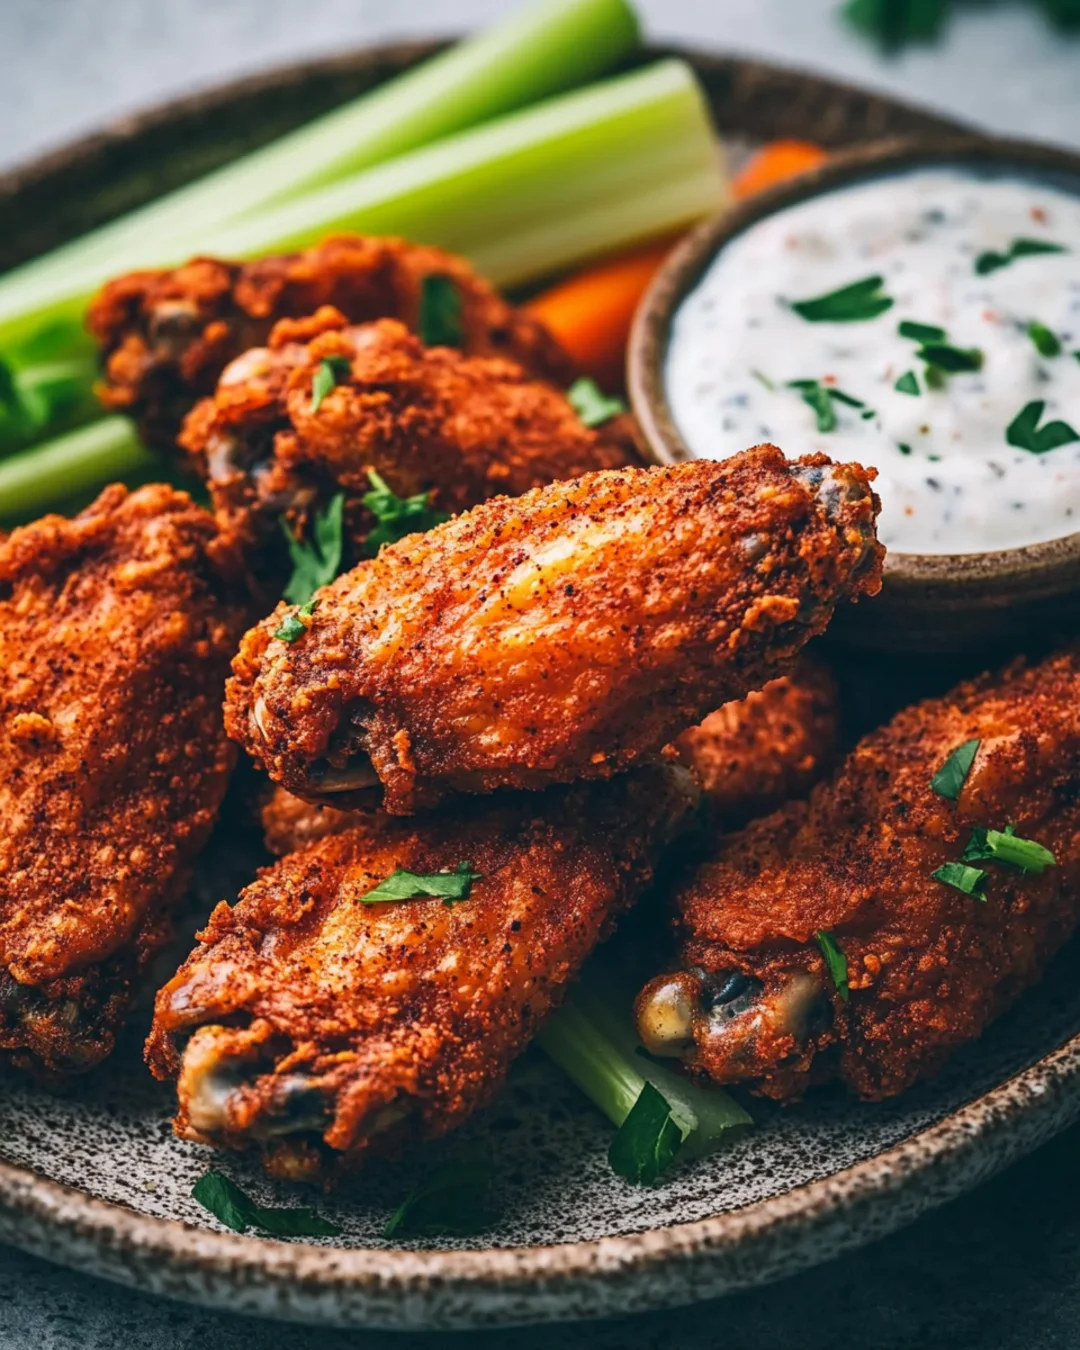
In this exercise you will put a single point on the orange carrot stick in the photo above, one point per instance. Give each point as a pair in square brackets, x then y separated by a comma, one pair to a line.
[775, 162]
[591, 312]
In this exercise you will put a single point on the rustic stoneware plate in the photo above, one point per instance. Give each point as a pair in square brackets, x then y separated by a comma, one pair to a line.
[93, 1178]
[927, 603]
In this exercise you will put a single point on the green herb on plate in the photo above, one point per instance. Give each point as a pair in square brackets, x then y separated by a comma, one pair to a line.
[236, 1210]
[835, 960]
[992, 261]
[455, 1201]
[292, 629]
[316, 561]
[970, 880]
[450, 887]
[331, 371]
[440, 322]
[397, 516]
[591, 404]
[951, 777]
[646, 1143]
[908, 383]
[1025, 433]
[921, 332]
[1046, 342]
[952, 360]
[1003, 846]
[856, 303]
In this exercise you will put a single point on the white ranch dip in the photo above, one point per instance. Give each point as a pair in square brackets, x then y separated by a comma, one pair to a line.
[954, 252]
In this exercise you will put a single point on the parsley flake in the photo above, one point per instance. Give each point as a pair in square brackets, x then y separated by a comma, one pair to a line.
[396, 516]
[952, 360]
[921, 332]
[1025, 433]
[992, 261]
[440, 322]
[453, 1202]
[821, 397]
[316, 561]
[291, 628]
[591, 404]
[1003, 846]
[835, 960]
[970, 880]
[231, 1206]
[908, 383]
[860, 301]
[331, 371]
[450, 887]
[952, 775]
[646, 1143]
[1046, 342]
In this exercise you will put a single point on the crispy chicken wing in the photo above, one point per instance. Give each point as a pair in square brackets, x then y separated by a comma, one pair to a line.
[429, 420]
[320, 1027]
[116, 630]
[754, 754]
[289, 823]
[565, 634]
[167, 335]
[928, 965]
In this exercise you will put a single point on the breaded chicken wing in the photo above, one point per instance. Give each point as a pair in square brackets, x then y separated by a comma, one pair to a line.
[116, 630]
[289, 823]
[566, 634]
[754, 754]
[321, 1027]
[928, 964]
[428, 420]
[167, 335]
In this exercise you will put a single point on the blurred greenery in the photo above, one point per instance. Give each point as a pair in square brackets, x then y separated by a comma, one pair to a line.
[895, 23]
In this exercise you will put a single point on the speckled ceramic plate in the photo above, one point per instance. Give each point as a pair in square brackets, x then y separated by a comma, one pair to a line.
[93, 1178]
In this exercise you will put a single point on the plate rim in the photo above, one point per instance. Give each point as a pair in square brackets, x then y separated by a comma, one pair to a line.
[609, 1276]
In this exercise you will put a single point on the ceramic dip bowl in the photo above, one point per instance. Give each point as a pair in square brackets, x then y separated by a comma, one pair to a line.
[934, 601]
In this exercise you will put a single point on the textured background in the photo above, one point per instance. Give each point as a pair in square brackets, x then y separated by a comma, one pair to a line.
[999, 1269]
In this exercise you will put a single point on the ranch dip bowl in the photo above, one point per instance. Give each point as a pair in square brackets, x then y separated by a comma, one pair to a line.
[913, 306]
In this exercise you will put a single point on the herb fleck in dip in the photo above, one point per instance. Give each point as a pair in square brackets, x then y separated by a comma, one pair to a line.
[927, 324]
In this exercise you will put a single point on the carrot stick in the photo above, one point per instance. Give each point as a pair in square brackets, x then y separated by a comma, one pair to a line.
[591, 312]
[775, 162]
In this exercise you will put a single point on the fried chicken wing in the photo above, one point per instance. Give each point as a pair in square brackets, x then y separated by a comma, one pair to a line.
[116, 630]
[754, 754]
[566, 634]
[167, 335]
[289, 823]
[321, 1027]
[928, 965]
[428, 420]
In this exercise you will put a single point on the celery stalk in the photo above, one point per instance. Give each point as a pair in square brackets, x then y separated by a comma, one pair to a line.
[105, 451]
[592, 1039]
[581, 175]
[541, 50]
[55, 394]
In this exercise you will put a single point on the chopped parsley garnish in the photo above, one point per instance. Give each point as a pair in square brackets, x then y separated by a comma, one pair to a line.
[228, 1204]
[921, 332]
[991, 261]
[646, 1143]
[591, 404]
[835, 960]
[903, 448]
[951, 359]
[1003, 846]
[453, 1202]
[1046, 343]
[450, 887]
[1025, 433]
[440, 322]
[820, 398]
[316, 561]
[908, 383]
[952, 775]
[291, 628]
[768, 384]
[396, 516]
[970, 880]
[860, 301]
[332, 369]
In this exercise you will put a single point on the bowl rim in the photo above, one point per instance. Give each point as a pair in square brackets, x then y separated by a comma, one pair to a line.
[1032, 567]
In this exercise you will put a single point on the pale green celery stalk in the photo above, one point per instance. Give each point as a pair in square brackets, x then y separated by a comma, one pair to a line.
[34, 480]
[592, 1039]
[541, 50]
[576, 177]
[55, 394]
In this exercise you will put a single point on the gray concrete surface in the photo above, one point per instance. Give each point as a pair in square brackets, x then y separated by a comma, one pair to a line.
[999, 1269]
